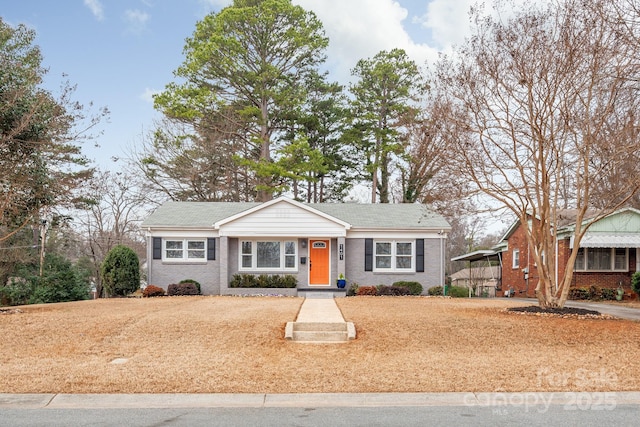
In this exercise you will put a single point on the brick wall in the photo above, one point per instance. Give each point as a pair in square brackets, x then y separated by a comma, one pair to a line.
[515, 277]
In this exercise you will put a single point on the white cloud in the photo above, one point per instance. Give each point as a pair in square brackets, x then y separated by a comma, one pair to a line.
[96, 8]
[216, 4]
[147, 95]
[359, 29]
[136, 20]
[448, 21]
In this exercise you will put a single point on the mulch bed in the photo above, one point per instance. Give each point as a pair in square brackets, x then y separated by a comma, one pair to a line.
[562, 312]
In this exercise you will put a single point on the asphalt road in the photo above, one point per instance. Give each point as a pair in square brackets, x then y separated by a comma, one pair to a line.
[515, 414]
[340, 409]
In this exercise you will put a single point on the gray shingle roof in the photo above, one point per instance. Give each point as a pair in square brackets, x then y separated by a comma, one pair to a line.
[394, 216]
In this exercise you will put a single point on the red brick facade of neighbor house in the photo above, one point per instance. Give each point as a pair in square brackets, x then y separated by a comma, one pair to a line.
[520, 273]
[515, 261]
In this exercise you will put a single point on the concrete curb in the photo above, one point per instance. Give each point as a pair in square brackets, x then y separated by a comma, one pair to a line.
[261, 400]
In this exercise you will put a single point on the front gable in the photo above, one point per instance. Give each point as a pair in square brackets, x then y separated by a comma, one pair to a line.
[282, 218]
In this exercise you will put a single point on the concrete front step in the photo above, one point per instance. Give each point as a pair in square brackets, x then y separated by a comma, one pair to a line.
[319, 336]
[320, 332]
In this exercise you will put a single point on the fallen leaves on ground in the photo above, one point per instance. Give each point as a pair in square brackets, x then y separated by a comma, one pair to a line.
[237, 345]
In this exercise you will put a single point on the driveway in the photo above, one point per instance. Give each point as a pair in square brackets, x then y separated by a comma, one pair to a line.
[620, 311]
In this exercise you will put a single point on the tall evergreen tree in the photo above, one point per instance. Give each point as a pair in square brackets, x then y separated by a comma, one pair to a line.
[385, 98]
[246, 67]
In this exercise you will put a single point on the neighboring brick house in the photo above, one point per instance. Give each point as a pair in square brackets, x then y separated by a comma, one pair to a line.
[608, 254]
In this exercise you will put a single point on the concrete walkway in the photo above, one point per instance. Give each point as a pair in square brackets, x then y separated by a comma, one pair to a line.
[319, 310]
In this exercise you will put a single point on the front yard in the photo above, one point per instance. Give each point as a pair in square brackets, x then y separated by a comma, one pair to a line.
[236, 345]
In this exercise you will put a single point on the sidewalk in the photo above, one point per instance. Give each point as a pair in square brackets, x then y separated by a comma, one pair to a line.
[260, 400]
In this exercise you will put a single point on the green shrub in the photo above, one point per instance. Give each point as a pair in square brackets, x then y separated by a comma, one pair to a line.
[367, 290]
[635, 282]
[16, 292]
[60, 281]
[194, 282]
[120, 271]
[263, 281]
[608, 294]
[394, 290]
[415, 288]
[352, 290]
[579, 294]
[458, 291]
[435, 290]
[152, 291]
[178, 289]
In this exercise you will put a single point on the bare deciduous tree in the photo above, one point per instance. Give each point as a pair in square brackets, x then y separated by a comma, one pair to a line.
[543, 109]
[112, 217]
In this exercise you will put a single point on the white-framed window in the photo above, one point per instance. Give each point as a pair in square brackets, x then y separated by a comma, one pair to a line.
[184, 249]
[393, 255]
[268, 255]
[516, 258]
[602, 259]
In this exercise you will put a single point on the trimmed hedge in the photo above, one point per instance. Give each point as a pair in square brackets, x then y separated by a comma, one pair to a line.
[152, 291]
[435, 290]
[394, 290]
[415, 288]
[187, 288]
[353, 290]
[592, 293]
[457, 291]
[367, 290]
[194, 282]
[263, 281]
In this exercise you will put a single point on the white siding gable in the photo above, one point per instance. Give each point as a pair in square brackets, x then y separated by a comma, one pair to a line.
[283, 219]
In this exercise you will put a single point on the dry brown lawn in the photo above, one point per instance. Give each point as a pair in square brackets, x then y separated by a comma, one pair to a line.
[237, 345]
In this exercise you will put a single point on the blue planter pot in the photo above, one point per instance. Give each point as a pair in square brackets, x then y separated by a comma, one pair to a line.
[341, 283]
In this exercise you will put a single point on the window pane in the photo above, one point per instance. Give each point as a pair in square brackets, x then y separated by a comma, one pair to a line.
[383, 262]
[383, 248]
[173, 254]
[195, 249]
[195, 254]
[246, 261]
[580, 260]
[403, 262]
[599, 259]
[173, 244]
[195, 244]
[246, 248]
[403, 248]
[621, 259]
[268, 254]
[289, 261]
[290, 248]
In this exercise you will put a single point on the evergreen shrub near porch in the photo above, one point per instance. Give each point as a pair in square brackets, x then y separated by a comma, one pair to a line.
[263, 281]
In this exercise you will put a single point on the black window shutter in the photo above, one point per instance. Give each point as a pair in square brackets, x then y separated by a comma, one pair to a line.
[157, 248]
[419, 255]
[368, 254]
[211, 249]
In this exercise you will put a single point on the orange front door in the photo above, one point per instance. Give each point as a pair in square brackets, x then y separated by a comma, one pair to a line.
[319, 262]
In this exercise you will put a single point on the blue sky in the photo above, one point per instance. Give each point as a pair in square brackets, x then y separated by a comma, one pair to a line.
[120, 52]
